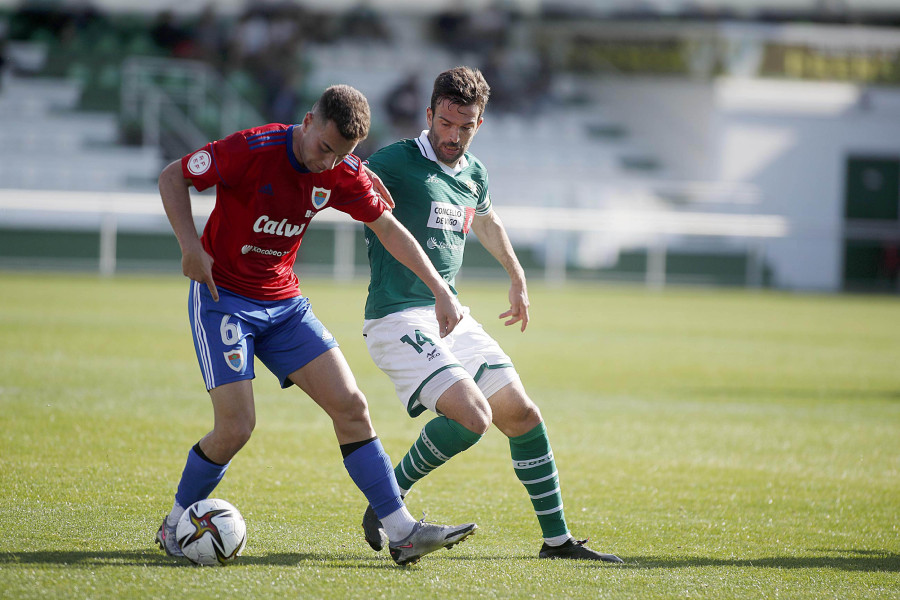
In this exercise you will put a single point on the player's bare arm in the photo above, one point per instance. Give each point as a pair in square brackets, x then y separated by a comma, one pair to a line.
[403, 246]
[492, 235]
[174, 190]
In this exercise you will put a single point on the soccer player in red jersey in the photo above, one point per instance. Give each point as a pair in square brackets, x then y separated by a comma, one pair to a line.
[245, 300]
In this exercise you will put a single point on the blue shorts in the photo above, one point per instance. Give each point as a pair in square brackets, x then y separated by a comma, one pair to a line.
[284, 334]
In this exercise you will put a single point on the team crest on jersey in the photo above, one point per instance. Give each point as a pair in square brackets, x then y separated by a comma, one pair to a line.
[320, 197]
[199, 163]
[471, 185]
[235, 358]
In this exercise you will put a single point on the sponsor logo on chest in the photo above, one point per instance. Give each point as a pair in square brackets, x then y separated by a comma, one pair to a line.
[448, 216]
[435, 244]
[266, 225]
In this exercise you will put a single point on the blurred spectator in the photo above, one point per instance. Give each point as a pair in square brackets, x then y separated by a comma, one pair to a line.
[450, 28]
[251, 36]
[267, 44]
[286, 103]
[499, 74]
[539, 84]
[480, 32]
[490, 28]
[57, 20]
[209, 37]
[56, 16]
[363, 23]
[169, 36]
[405, 108]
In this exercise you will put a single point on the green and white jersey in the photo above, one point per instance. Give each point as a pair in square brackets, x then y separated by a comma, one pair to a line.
[437, 205]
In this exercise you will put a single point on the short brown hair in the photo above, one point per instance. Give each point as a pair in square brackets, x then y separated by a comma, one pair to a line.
[464, 86]
[348, 108]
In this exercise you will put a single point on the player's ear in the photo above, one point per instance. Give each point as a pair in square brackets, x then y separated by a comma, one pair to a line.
[308, 119]
[429, 115]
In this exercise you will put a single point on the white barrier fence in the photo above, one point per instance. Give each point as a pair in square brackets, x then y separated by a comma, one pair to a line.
[111, 212]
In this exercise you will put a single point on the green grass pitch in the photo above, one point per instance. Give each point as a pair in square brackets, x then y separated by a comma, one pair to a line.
[725, 444]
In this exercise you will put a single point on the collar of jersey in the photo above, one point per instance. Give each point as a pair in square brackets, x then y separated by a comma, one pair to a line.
[428, 152]
[290, 152]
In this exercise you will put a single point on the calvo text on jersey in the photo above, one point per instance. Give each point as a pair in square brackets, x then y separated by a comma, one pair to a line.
[266, 225]
[448, 216]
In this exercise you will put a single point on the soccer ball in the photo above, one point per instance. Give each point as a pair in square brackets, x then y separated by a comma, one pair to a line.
[211, 532]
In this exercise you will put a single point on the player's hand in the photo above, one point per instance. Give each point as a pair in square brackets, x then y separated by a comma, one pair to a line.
[380, 188]
[448, 311]
[196, 264]
[518, 306]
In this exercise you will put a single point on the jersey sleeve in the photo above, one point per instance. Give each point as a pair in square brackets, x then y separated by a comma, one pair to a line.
[223, 161]
[483, 206]
[357, 198]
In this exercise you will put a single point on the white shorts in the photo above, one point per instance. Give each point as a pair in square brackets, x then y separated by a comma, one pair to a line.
[408, 347]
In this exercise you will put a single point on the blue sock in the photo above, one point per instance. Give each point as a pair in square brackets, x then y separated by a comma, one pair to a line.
[199, 478]
[371, 471]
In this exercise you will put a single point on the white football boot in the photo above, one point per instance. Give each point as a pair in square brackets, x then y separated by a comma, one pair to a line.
[426, 538]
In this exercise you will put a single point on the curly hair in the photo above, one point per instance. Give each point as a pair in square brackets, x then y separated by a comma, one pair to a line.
[348, 108]
[462, 85]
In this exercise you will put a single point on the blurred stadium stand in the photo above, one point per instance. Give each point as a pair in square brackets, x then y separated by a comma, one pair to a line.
[698, 147]
[45, 142]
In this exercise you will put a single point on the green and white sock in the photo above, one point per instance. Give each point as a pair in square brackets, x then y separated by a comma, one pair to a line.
[440, 440]
[534, 466]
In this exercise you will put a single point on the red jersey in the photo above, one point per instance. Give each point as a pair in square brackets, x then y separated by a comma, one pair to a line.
[264, 202]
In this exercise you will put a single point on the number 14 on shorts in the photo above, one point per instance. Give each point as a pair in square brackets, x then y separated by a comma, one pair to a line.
[419, 343]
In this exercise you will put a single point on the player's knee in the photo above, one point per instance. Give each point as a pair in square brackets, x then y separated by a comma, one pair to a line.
[520, 420]
[229, 437]
[239, 433]
[478, 419]
[515, 413]
[353, 409]
[464, 403]
[530, 414]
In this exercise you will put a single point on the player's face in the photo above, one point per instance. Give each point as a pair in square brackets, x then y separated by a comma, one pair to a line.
[451, 129]
[321, 146]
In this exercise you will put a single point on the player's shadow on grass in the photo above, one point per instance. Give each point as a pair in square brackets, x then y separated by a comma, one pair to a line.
[331, 561]
[842, 559]
[127, 558]
[152, 558]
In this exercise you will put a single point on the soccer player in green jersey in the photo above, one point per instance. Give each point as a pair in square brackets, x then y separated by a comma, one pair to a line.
[441, 193]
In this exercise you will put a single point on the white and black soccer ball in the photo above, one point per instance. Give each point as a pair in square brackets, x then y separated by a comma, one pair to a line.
[211, 532]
